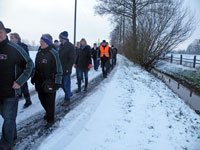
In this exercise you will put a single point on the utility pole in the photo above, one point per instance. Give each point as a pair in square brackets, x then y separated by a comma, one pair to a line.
[75, 13]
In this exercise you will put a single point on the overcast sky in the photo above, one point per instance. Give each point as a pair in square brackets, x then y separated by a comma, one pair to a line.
[32, 18]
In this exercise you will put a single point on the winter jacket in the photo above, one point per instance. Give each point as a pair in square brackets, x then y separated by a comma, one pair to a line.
[15, 65]
[105, 58]
[94, 53]
[47, 66]
[24, 46]
[84, 58]
[114, 51]
[67, 57]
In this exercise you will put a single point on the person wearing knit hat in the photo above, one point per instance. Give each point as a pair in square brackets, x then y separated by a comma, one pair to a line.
[48, 76]
[67, 57]
[64, 35]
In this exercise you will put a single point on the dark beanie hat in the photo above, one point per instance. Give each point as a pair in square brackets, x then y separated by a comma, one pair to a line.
[64, 35]
[104, 41]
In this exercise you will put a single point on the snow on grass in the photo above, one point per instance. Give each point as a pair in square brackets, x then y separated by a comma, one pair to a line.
[189, 75]
[130, 110]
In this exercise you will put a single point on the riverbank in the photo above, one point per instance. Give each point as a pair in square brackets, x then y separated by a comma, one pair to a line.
[187, 76]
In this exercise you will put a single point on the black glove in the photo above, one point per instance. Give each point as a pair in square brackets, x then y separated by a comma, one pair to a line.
[57, 86]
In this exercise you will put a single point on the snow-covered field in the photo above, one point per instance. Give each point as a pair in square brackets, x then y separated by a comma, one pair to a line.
[131, 110]
[188, 59]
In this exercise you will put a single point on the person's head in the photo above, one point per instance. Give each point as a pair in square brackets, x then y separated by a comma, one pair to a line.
[3, 32]
[112, 46]
[46, 41]
[95, 45]
[104, 43]
[78, 44]
[63, 36]
[14, 37]
[83, 42]
[56, 42]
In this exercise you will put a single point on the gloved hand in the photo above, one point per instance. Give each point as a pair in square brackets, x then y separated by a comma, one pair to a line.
[90, 66]
[74, 65]
[57, 86]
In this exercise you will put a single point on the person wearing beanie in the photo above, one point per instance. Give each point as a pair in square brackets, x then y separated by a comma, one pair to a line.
[83, 63]
[15, 38]
[48, 76]
[105, 54]
[16, 68]
[115, 51]
[67, 57]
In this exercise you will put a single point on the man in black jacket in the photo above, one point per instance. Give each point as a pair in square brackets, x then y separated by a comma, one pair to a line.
[94, 53]
[16, 67]
[15, 38]
[67, 57]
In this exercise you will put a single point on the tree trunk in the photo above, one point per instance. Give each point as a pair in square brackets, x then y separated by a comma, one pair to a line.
[134, 26]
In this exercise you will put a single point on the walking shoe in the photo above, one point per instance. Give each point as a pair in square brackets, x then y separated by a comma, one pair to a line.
[27, 104]
[49, 125]
[67, 103]
[45, 117]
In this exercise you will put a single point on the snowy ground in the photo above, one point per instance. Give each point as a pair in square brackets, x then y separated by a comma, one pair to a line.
[130, 110]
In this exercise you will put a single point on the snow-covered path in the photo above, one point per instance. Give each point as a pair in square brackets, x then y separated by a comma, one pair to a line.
[130, 110]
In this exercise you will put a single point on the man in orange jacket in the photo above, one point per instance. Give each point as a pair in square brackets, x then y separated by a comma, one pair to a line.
[105, 55]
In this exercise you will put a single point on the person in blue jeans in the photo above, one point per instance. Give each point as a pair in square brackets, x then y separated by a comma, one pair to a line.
[94, 53]
[67, 57]
[16, 68]
[83, 63]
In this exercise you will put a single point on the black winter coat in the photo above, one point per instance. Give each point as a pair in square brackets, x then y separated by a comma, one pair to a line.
[47, 66]
[67, 57]
[83, 58]
[94, 53]
[15, 65]
[24, 46]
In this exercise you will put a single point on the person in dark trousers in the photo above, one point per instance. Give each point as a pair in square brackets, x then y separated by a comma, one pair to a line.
[67, 57]
[48, 76]
[56, 44]
[94, 56]
[16, 68]
[76, 54]
[15, 38]
[115, 51]
[105, 55]
[83, 63]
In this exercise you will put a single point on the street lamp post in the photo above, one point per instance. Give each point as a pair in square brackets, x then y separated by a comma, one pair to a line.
[75, 13]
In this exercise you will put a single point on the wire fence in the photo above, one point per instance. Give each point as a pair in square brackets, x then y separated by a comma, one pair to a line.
[189, 62]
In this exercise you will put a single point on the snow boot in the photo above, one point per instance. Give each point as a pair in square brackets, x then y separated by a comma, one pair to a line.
[79, 86]
[28, 103]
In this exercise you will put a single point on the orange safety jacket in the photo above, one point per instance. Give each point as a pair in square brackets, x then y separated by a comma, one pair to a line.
[104, 51]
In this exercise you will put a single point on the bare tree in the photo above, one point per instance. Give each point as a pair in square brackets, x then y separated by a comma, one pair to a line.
[157, 26]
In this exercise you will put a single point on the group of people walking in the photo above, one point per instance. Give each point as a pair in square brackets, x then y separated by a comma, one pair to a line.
[52, 70]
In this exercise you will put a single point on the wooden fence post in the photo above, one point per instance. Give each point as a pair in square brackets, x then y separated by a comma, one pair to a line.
[194, 63]
[171, 58]
[181, 59]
